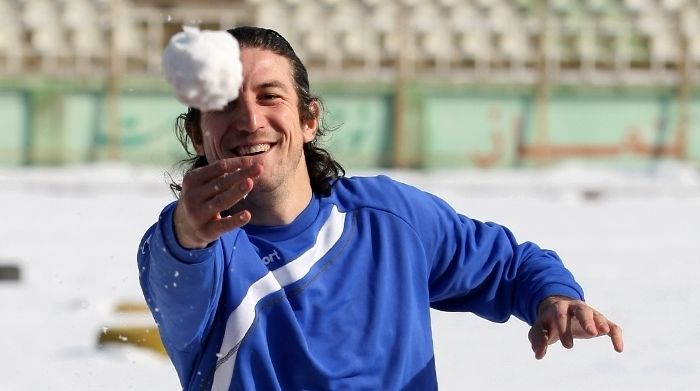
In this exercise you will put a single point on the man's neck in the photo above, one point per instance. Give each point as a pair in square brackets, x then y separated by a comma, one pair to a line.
[276, 208]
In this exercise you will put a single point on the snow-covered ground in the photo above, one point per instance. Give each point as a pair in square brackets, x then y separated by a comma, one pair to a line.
[631, 236]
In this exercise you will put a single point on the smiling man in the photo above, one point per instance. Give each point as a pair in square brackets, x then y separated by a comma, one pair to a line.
[273, 271]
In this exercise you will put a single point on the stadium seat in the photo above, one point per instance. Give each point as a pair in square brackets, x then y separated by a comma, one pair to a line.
[47, 35]
[694, 51]
[600, 35]
[653, 23]
[690, 27]
[383, 20]
[514, 44]
[436, 46]
[11, 45]
[348, 22]
[358, 41]
[274, 14]
[634, 6]
[673, 5]
[596, 6]
[690, 20]
[81, 19]
[664, 48]
[503, 18]
[650, 20]
[128, 36]
[433, 41]
[309, 21]
[463, 17]
[476, 45]
[422, 17]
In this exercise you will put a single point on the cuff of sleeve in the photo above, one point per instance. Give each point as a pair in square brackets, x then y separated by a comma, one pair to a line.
[575, 293]
[185, 255]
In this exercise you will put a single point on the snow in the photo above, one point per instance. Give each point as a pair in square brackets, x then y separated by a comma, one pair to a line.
[629, 236]
[203, 67]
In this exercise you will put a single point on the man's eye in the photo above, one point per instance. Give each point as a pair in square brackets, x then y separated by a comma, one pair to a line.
[268, 96]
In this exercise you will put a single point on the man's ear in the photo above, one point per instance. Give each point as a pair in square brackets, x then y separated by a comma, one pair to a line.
[310, 125]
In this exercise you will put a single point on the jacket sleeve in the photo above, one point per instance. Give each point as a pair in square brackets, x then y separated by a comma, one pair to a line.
[480, 267]
[181, 287]
[187, 289]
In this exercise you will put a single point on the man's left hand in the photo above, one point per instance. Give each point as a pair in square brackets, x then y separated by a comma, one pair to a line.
[564, 319]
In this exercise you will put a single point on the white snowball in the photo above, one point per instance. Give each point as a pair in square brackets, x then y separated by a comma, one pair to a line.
[204, 68]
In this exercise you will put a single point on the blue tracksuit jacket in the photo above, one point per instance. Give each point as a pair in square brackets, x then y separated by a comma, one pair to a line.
[339, 298]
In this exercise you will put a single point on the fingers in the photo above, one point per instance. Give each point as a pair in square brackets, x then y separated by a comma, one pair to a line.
[539, 339]
[211, 171]
[228, 189]
[563, 325]
[206, 201]
[602, 326]
[206, 192]
[217, 227]
[588, 319]
[616, 337]
[566, 320]
[205, 183]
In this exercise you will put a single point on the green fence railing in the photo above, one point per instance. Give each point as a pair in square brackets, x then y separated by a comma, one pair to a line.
[441, 125]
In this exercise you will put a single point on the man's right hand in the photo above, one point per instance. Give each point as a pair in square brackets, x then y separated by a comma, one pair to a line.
[208, 190]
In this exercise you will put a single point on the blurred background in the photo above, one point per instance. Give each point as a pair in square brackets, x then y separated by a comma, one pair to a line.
[415, 83]
[576, 123]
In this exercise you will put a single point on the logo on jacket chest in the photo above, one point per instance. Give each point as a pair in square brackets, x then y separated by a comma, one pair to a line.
[271, 257]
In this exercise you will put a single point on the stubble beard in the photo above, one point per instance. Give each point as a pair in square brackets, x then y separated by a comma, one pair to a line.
[276, 183]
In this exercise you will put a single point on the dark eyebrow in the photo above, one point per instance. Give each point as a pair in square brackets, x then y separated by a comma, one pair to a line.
[272, 84]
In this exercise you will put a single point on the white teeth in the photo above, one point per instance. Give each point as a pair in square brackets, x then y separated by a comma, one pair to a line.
[252, 149]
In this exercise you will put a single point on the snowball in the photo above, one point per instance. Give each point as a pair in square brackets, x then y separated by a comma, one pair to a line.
[204, 68]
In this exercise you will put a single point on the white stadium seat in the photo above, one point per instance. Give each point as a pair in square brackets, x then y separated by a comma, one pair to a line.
[503, 17]
[348, 22]
[308, 18]
[383, 20]
[598, 35]
[673, 5]
[272, 14]
[664, 47]
[48, 39]
[10, 37]
[636, 5]
[81, 19]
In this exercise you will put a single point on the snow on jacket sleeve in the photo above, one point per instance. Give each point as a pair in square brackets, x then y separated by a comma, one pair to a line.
[184, 290]
[181, 287]
[480, 267]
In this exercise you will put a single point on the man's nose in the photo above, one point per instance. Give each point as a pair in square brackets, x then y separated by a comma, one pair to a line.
[247, 115]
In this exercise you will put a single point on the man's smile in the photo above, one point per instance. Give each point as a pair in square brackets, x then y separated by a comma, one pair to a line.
[252, 150]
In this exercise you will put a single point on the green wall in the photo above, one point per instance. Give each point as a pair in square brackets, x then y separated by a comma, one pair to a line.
[361, 126]
[462, 129]
[147, 123]
[49, 122]
[482, 128]
[13, 143]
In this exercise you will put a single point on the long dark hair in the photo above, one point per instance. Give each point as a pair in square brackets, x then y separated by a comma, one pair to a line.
[322, 168]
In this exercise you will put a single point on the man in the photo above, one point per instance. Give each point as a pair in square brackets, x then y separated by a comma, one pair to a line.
[273, 271]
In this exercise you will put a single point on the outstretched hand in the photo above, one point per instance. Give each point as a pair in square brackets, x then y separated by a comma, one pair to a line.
[207, 191]
[564, 319]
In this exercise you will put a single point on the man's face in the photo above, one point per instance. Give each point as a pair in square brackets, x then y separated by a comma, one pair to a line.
[262, 122]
